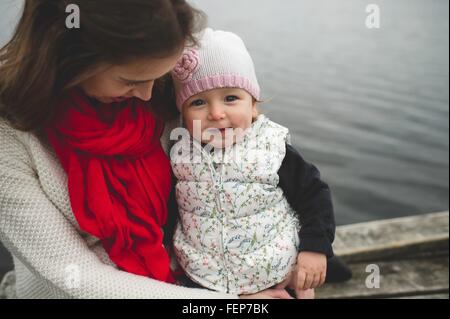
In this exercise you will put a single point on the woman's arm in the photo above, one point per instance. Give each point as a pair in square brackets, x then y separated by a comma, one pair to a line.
[37, 233]
[310, 197]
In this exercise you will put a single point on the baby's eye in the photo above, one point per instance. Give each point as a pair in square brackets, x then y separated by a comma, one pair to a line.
[231, 98]
[198, 102]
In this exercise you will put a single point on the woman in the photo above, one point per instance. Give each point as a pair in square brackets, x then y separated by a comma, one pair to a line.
[84, 181]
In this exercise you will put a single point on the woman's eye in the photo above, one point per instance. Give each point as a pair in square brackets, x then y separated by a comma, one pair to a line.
[198, 102]
[231, 98]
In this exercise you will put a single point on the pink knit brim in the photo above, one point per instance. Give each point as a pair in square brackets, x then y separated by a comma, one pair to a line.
[194, 87]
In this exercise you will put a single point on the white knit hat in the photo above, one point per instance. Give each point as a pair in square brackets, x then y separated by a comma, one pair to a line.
[221, 61]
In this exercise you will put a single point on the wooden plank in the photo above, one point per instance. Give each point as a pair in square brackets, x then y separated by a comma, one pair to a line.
[397, 279]
[399, 237]
[433, 296]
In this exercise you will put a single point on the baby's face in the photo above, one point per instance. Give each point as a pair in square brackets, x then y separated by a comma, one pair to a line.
[222, 115]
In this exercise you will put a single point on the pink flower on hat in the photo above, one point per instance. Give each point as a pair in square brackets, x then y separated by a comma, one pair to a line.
[186, 66]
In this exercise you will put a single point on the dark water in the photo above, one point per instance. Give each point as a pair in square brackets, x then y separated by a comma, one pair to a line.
[370, 107]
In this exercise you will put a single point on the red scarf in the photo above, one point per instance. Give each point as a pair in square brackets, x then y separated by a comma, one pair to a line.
[118, 178]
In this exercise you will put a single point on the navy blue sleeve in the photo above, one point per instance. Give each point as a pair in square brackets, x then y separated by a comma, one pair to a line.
[311, 198]
[172, 216]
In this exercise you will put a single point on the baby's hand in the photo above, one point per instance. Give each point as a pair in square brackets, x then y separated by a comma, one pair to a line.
[309, 273]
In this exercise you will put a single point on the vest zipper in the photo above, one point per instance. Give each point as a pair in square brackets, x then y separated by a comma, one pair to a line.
[217, 185]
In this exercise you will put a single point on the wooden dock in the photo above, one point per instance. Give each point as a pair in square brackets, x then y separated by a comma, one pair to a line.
[410, 254]
[394, 258]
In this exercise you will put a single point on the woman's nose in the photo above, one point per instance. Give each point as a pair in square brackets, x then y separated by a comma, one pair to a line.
[144, 91]
[216, 112]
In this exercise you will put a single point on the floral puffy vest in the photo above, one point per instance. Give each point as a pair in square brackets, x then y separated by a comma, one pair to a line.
[237, 232]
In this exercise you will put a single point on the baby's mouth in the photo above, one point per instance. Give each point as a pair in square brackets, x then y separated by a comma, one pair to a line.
[222, 130]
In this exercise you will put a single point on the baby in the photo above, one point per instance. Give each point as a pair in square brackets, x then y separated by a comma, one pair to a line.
[253, 213]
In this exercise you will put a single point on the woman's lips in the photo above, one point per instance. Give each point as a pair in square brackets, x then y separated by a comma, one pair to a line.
[119, 99]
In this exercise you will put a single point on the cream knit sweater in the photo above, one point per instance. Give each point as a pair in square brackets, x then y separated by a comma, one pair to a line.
[53, 258]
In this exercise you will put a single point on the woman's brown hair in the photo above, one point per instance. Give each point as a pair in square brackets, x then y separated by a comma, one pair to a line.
[44, 58]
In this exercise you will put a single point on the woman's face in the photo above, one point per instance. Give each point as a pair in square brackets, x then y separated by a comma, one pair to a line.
[116, 83]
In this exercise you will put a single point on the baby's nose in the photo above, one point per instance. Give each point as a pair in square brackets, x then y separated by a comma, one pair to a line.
[216, 113]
